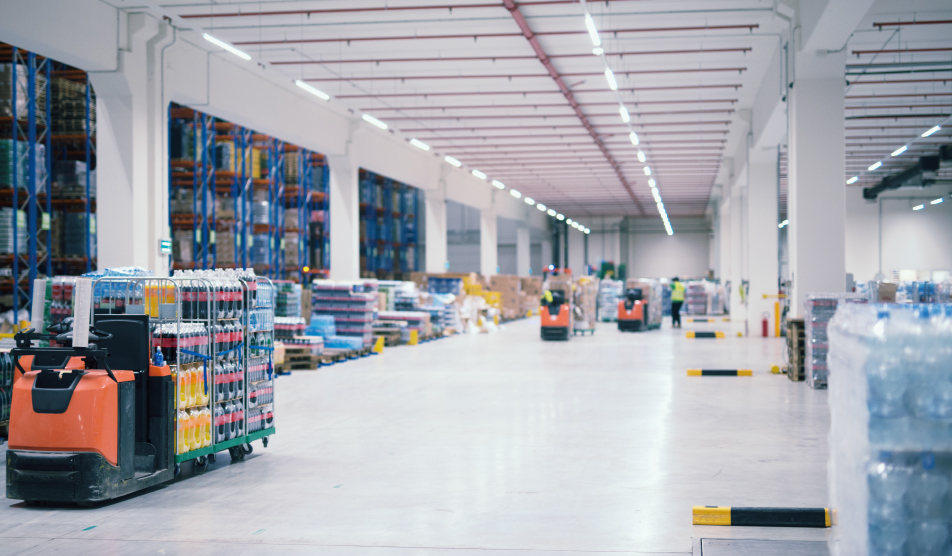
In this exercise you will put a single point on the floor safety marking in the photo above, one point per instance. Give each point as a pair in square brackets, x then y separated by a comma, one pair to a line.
[762, 517]
[709, 319]
[693, 334]
[720, 372]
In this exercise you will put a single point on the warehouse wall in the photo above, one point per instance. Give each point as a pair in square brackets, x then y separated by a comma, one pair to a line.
[462, 237]
[913, 240]
[653, 253]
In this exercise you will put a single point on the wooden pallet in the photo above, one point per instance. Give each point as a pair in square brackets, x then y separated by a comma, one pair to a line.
[391, 336]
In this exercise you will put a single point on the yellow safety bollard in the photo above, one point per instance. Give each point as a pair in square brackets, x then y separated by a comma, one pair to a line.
[378, 345]
[414, 337]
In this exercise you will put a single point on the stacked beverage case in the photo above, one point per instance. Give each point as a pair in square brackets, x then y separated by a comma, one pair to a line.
[891, 429]
[819, 309]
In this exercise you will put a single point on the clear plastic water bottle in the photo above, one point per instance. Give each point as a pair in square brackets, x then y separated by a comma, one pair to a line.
[927, 489]
[927, 538]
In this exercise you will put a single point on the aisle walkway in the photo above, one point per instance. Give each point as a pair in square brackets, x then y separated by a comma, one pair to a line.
[477, 444]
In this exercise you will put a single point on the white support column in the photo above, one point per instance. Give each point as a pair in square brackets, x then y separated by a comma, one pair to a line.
[344, 193]
[817, 198]
[132, 150]
[488, 248]
[737, 240]
[762, 245]
[523, 247]
[436, 250]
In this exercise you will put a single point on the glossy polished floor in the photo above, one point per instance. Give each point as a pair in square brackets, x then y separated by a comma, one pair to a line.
[486, 444]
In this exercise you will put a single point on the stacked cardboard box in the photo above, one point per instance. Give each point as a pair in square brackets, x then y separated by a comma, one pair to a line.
[796, 349]
[531, 293]
[652, 294]
[509, 288]
[586, 300]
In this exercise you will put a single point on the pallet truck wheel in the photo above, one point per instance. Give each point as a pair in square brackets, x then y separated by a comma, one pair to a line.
[236, 453]
[201, 464]
[178, 469]
[264, 441]
[247, 448]
[212, 458]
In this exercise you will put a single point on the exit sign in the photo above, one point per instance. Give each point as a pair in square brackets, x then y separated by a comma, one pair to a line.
[165, 246]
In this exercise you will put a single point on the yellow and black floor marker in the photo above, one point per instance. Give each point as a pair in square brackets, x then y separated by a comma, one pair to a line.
[720, 372]
[762, 517]
[693, 334]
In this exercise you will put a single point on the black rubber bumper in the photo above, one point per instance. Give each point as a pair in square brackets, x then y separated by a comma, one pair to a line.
[61, 477]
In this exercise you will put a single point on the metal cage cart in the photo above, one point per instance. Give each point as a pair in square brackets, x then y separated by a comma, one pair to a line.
[216, 331]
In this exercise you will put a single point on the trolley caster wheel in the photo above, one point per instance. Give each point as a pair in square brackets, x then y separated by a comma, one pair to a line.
[237, 454]
[178, 469]
[247, 449]
[212, 458]
[201, 464]
[264, 441]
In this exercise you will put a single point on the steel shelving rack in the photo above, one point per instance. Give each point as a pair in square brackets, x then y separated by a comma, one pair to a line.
[209, 175]
[389, 243]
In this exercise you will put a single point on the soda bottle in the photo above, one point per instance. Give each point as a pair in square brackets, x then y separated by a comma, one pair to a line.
[220, 425]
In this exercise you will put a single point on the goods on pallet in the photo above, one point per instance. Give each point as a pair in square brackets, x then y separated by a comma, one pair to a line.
[586, 303]
[69, 180]
[68, 107]
[15, 154]
[796, 349]
[7, 216]
[819, 309]
[21, 110]
[509, 288]
[609, 292]
[890, 440]
[75, 235]
[438, 284]
[415, 320]
[289, 327]
[695, 298]
[350, 303]
[288, 300]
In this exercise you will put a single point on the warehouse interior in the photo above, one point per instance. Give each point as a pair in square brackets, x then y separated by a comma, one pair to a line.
[471, 276]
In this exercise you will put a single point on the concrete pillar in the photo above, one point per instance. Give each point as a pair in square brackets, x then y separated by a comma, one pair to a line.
[762, 244]
[724, 243]
[488, 243]
[817, 197]
[132, 150]
[435, 209]
[737, 241]
[523, 247]
[624, 252]
[345, 217]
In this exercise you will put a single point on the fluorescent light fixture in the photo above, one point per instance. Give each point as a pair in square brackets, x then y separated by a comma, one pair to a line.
[479, 174]
[575, 225]
[560, 216]
[660, 206]
[499, 184]
[918, 207]
[452, 161]
[641, 156]
[530, 201]
[875, 166]
[926, 134]
[541, 207]
[652, 183]
[587, 231]
[229, 47]
[783, 224]
[375, 121]
[647, 170]
[625, 117]
[634, 138]
[598, 51]
[592, 31]
[550, 212]
[852, 180]
[938, 201]
[515, 193]
[657, 197]
[900, 150]
[569, 221]
[317, 92]
[612, 84]
[419, 144]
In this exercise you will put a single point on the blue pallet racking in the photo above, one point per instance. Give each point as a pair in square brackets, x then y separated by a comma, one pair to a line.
[218, 164]
[389, 245]
[28, 192]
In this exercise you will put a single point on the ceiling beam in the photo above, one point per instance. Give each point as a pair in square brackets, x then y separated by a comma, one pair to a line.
[734, 86]
[569, 96]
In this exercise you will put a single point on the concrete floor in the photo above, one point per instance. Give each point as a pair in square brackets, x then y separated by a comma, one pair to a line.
[476, 444]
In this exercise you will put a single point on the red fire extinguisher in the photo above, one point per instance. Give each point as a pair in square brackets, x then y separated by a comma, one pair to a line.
[765, 325]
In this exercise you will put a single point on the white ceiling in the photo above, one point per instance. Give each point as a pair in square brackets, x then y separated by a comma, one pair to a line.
[480, 93]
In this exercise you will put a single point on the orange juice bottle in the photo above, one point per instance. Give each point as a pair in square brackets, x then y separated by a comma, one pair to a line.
[195, 439]
[181, 437]
[181, 382]
[192, 386]
[206, 427]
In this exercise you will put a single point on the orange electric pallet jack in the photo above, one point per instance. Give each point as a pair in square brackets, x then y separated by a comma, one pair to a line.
[556, 317]
[632, 312]
[89, 423]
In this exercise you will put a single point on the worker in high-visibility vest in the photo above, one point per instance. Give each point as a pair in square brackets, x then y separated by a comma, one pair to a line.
[677, 299]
